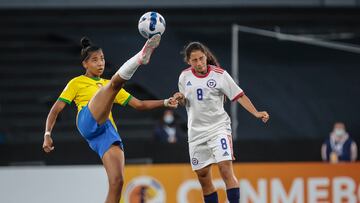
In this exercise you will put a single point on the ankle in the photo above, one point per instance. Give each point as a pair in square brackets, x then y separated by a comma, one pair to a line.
[233, 195]
[211, 198]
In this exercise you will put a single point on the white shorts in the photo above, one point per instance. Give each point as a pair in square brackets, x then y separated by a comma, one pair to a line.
[218, 148]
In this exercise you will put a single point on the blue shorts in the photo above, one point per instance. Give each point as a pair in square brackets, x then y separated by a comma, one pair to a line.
[99, 137]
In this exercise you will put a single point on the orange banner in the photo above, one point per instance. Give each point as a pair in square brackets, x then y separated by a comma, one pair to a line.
[259, 183]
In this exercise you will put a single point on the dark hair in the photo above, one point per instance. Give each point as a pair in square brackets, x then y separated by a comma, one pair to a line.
[197, 46]
[87, 48]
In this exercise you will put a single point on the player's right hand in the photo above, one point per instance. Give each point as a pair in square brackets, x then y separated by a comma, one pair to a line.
[180, 98]
[171, 103]
[48, 144]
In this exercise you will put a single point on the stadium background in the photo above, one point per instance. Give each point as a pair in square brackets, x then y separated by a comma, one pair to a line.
[305, 88]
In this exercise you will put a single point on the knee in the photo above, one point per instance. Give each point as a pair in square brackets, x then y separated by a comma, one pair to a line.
[231, 180]
[116, 181]
[204, 179]
[116, 83]
[228, 176]
[202, 175]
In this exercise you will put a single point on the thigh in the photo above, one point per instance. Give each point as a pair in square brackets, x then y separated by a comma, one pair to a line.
[114, 162]
[99, 137]
[101, 103]
[201, 156]
[86, 123]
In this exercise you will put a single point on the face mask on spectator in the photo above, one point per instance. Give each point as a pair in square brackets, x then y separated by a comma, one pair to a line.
[338, 132]
[168, 119]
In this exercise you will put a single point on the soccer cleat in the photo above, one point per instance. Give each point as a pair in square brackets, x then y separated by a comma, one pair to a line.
[148, 49]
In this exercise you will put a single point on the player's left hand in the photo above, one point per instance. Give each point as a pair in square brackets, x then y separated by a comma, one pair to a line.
[263, 115]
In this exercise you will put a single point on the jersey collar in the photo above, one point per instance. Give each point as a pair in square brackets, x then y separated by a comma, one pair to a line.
[201, 76]
[93, 78]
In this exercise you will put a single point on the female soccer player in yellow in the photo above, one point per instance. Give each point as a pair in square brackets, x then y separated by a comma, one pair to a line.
[94, 98]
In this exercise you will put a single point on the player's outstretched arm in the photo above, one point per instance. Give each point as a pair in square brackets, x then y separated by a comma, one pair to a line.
[50, 122]
[247, 104]
[143, 105]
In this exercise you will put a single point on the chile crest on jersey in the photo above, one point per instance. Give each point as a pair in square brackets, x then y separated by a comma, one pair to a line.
[211, 83]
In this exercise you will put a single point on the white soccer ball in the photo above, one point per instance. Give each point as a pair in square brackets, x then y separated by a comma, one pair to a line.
[151, 23]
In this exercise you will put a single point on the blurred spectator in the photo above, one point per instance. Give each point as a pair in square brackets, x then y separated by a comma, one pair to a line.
[168, 131]
[339, 146]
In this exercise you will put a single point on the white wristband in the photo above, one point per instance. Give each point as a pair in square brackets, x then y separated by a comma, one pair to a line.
[166, 102]
[47, 133]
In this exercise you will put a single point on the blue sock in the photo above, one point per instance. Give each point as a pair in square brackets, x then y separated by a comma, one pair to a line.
[233, 195]
[211, 198]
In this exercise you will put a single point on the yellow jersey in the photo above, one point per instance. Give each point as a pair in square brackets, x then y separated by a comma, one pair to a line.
[82, 88]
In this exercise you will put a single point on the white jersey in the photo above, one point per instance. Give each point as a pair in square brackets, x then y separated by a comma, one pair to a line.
[205, 97]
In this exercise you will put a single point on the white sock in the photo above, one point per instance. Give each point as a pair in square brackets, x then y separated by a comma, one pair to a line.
[127, 70]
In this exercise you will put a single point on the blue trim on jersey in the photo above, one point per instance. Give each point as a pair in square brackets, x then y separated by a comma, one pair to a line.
[99, 137]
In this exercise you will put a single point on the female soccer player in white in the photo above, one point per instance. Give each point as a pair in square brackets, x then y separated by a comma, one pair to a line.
[94, 97]
[202, 89]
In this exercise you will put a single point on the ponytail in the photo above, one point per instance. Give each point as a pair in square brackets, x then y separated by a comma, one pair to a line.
[87, 48]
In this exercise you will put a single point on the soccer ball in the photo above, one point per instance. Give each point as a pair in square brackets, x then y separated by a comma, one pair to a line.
[151, 23]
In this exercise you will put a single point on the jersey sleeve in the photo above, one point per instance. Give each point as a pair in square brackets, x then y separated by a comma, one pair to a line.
[69, 92]
[230, 88]
[181, 84]
[123, 97]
